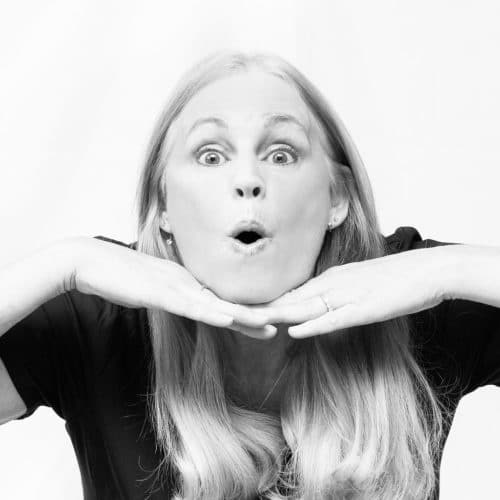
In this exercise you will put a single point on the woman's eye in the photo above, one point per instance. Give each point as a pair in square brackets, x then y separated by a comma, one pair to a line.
[280, 155]
[212, 156]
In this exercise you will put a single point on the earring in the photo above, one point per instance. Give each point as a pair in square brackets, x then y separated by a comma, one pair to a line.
[170, 240]
[331, 224]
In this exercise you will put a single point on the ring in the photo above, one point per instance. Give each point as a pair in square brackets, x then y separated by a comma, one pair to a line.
[329, 309]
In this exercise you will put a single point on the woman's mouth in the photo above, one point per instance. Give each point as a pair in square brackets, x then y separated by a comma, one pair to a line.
[249, 242]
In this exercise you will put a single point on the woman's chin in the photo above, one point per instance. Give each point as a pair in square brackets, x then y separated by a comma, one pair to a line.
[247, 295]
[246, 299]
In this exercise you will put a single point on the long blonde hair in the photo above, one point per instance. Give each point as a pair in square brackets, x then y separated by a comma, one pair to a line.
[358, 420]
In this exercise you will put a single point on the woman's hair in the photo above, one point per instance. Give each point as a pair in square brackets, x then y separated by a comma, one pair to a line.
[359, 419]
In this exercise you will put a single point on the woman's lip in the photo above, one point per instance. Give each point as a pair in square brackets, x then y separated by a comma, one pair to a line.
[250, 248]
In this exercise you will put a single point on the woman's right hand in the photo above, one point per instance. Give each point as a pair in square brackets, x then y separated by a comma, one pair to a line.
[134, 279]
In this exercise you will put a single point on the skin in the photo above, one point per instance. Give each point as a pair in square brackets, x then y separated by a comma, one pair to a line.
[246, 173]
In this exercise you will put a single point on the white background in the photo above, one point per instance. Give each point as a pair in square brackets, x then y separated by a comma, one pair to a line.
[416, 83]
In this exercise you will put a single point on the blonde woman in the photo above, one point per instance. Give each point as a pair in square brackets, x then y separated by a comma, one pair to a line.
[261, 338]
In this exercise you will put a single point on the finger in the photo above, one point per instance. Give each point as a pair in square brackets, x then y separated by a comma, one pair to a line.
[198, 311]
[308, 290]
[264, 333]
[240, 313]
[344, 317]
[294, 313]
[298, 312]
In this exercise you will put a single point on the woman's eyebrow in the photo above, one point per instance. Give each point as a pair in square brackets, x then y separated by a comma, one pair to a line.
[271, 120]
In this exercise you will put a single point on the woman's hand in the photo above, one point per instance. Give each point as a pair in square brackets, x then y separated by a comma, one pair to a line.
[135, 279]
[365, 292]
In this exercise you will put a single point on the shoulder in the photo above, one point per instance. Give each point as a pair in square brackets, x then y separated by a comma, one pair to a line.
[132, 245]
[459, 338]
[99, 324]
[406, 238]
[74, 303]
[430, 336]
[95, 307]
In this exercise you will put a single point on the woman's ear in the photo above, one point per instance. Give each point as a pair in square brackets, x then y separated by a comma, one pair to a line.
[338, 212]
[164, 223]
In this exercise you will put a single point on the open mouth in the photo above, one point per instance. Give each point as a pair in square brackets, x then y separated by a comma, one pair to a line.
[248, 237]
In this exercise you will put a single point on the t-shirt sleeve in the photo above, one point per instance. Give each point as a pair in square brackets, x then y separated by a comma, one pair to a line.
[44, 354]
[49, 354]
[469, 332]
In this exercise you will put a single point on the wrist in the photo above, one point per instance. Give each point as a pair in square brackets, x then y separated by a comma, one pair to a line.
[471, 272]
[450, 270]
[66, 254]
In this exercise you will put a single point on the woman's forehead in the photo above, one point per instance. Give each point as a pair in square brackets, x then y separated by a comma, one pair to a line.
[259, 99]
[266, 121]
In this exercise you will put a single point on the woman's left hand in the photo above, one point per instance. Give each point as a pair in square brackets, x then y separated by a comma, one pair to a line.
[365, 292]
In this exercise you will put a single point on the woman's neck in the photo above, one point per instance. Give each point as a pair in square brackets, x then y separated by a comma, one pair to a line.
[252, 366]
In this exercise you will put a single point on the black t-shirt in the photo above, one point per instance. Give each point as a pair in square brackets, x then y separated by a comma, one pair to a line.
[88, 359]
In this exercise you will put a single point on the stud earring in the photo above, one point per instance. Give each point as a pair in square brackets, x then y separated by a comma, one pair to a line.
[331, 224]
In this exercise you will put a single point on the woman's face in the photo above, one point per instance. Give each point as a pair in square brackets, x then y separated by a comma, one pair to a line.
[247, 147]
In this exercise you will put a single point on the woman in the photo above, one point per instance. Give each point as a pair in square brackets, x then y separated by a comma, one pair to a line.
[161, 355]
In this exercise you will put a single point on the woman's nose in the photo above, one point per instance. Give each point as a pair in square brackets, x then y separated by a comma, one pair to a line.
[249, 185]
[249, 190]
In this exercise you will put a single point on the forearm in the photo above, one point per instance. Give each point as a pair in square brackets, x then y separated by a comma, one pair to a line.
[33, 280]
[473, 273]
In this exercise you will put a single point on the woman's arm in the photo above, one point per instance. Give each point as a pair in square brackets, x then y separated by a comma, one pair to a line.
[37, 320]
[35, 279]
[24, 286]
[474, 274]
[379, 289]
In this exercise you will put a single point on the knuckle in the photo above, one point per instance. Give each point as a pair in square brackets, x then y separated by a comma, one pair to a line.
[330, 318]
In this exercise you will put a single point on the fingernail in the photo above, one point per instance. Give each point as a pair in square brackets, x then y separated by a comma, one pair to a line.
[295, 332]
[225, 319]
[270, 329]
